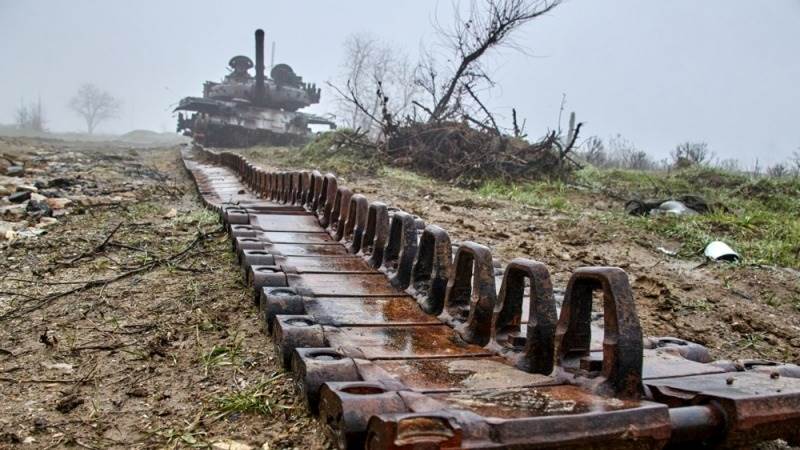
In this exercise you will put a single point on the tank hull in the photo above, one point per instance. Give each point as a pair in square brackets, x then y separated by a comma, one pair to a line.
[222, 123]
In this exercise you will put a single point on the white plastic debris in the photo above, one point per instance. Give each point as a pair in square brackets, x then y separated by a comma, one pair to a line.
[720, 251]
[667, 251]
[675, 207]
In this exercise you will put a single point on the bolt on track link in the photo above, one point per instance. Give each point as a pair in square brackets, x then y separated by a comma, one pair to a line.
[398, 339]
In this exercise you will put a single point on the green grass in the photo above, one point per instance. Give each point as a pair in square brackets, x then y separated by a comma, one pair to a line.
[543, 194]
[222, 355]
[256, 399]
[757, 217]
[329, 152]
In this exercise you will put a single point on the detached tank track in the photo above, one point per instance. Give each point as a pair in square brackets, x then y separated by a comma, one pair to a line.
[399, 342]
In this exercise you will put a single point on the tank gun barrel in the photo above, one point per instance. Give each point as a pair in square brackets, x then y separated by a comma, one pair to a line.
[260, 92]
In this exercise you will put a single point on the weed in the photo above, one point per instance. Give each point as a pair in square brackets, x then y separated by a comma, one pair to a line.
[222, 355]
[543, 194]
[256, 399]
[750, 340]
[175, 438]
[699, 304]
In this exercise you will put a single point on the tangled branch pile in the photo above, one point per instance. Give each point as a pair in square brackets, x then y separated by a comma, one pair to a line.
[456, 152]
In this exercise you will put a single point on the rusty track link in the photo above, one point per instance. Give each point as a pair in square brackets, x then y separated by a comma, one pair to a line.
[400, 341]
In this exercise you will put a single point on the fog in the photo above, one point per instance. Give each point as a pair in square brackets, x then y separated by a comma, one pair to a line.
[657, 72]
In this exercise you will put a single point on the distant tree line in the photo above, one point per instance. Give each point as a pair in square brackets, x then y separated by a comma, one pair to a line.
[620, 153]
[91, 103]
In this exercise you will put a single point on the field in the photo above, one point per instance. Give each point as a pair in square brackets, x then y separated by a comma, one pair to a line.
[748, 309]
[126, 324]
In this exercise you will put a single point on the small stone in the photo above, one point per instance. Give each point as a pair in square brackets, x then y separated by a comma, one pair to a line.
[63, 367]
[58, 202]
[13, 212]
[139, 392]
[172, 213]
[230, 445]
[15, 171]
[27, 187]
[729, 380]
[19, 196]
[38, 197]
[5, 226]
[69, 403]
[28, 440]
[38, 209]
[45, 222]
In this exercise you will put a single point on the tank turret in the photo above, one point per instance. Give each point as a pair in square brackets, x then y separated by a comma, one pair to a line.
[243, 109]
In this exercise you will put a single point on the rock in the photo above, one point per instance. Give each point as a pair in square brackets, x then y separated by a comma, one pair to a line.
[172, 213]
[5, 190]
[230, 445]
[38, 209]
[58, 202]
[68, 403]
[38, 197]
[14, 226]
[13, 212]
[27, 187]
[15, 171]
[63, 367]
[19, 196]
[60, 183]
[45, 222]
[10, 235]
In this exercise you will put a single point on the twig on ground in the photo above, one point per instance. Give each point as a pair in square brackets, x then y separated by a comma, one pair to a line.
[95, 250]
[102, 282]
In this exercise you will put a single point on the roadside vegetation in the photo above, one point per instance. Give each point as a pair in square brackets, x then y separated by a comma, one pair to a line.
[754, 213]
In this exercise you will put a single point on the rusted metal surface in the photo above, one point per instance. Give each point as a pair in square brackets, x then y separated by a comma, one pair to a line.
[399, 342]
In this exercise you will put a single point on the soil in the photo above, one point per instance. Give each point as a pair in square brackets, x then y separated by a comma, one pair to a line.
[151, 355]
[144, 361]
[737, 311]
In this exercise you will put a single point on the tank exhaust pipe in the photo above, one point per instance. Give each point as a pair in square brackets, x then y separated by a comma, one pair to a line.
[260, 92]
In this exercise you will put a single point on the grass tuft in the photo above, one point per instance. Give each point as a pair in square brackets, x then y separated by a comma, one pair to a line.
[256, 399]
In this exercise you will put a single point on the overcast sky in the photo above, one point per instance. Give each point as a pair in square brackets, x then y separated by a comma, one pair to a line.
[657, 72]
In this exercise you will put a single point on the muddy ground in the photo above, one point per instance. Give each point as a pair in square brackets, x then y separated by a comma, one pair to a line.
[126, 324]
[738, 311]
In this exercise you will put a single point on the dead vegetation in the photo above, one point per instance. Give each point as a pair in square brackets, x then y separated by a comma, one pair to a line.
[448, 132]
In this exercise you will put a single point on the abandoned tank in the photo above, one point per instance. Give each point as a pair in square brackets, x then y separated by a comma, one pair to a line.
[245, 110]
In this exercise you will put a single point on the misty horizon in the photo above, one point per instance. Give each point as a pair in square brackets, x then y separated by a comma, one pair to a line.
[657, 74]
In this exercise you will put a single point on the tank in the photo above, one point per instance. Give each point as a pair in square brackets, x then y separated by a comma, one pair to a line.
[244, 110]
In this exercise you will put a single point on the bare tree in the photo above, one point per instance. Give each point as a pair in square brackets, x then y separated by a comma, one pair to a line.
[486, 25]
[691, 154]
[594, 152]
[729, 165]
[30, 117]
[795, 160]
[94, 105]
[778, 170]
[375, 76]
